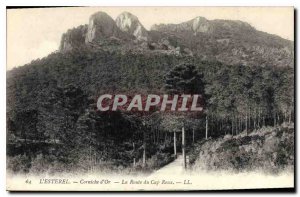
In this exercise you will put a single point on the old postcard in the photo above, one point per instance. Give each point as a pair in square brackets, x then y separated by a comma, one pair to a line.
[150, 98]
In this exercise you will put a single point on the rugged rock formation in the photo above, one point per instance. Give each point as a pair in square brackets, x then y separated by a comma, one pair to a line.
[230, 42]
[198, 24]
[129, 23]
[201, 24]
[73, 38]
[102, 26]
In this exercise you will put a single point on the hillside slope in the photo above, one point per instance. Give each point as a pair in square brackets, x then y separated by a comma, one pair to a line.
[269, 149]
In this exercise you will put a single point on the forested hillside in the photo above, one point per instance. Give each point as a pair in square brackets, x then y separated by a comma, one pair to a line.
[51, 105]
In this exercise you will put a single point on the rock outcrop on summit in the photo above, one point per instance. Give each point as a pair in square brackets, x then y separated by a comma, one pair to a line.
[129, 23]
[102, 26]
[201, 24]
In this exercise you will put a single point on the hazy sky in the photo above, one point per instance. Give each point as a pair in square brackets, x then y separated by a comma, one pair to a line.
[34, 33]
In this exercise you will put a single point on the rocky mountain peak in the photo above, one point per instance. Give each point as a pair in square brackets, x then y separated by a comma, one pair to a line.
[102, 26]
[129, 23]
[200, 24]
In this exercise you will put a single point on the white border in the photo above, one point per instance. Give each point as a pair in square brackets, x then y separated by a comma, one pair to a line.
[3, 5]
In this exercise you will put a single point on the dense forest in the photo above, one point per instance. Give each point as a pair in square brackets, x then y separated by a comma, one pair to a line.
[53, 124]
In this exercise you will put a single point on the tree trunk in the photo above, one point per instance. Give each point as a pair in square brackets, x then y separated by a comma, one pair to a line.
[258, 120]
[239, 121]
[133, 146]
[249, 119]
[285, 116]
[175, 151]
[183, 148]
[153, 135]
[193, 135]
[206, 127]
[237, 125]
[246, 124]
[90, 158]
[144, 149]
[254, 119]
[232, 126]
[158, 135]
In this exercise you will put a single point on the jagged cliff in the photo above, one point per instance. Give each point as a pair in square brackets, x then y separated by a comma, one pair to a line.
[129, 23]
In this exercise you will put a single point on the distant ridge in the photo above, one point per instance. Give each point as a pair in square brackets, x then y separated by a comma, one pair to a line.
[227, 41]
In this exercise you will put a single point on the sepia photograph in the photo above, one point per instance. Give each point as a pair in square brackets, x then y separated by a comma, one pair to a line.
[150, 98]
